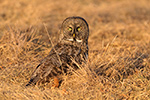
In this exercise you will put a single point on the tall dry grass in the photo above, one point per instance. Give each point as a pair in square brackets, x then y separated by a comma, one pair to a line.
[119, 63]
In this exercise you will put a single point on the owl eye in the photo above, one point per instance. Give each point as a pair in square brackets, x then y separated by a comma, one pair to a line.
[78, 28]
[70, 29]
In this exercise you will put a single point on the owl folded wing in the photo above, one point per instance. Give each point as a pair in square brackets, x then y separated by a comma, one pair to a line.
[45, 68]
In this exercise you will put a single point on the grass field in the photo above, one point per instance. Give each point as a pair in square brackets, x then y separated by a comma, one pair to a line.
[119, 49]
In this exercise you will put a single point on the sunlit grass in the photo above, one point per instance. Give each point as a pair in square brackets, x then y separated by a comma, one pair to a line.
[118, 66]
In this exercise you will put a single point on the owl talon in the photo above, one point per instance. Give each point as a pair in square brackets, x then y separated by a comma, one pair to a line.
[56, 83]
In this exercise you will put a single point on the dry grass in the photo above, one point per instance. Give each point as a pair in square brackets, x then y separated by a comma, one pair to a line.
[119, 43]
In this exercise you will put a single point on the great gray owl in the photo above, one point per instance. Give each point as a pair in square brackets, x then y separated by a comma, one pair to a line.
[72, 49]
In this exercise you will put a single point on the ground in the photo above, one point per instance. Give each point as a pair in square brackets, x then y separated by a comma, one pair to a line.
[119, 46]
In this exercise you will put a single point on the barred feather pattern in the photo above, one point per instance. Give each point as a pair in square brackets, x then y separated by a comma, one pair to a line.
[51, 67]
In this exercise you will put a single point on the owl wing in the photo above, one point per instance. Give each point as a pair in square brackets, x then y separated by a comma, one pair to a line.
[45, 68]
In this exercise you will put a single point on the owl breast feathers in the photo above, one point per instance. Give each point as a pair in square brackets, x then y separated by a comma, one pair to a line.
[72, 49]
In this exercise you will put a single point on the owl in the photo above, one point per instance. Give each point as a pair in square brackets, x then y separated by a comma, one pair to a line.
[71, 50]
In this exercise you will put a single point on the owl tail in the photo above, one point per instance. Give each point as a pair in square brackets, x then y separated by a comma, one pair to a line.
[33, 80]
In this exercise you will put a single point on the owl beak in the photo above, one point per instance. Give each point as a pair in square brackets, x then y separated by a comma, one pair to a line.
[74, 35]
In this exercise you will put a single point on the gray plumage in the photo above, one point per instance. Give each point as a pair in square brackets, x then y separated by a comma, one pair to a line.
[73, 45]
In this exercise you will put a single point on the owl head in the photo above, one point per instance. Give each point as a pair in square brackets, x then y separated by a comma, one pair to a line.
[75, 29]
